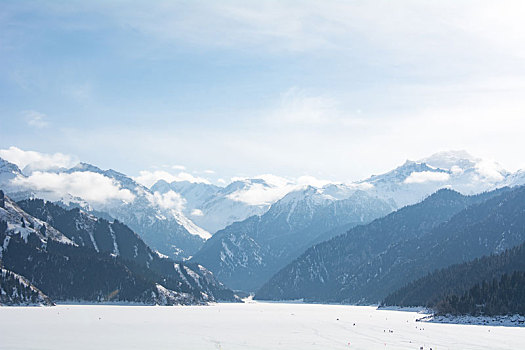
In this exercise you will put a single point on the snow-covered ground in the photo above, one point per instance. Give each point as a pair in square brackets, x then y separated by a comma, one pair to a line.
[239, 326]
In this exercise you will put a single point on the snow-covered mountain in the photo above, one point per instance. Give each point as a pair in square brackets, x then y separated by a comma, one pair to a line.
[515, 179]
[214, 208]
[25, 225]
[246, 253]
[8, 171]
[97, 260]
[176, 218]
[156, 218]
[414, 180]
[370, 261]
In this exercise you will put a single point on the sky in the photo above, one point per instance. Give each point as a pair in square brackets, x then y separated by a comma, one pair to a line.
[335, 90]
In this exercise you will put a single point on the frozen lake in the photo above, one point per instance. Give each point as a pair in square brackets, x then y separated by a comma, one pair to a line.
[239, 326]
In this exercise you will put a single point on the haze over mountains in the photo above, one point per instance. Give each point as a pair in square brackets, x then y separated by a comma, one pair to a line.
[251, 229]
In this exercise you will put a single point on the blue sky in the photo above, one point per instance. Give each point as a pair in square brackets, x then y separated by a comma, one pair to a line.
[334, 89]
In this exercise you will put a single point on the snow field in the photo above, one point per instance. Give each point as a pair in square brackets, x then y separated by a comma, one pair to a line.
[252, 325]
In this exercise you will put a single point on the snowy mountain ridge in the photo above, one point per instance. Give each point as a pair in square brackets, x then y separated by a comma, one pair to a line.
[246, 253]
[176, 218]
[154, 217]
[24, 225]
[214, 207]
[457, 170]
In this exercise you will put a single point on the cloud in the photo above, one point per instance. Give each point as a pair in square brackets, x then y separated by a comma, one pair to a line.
[149, 178]
[426, 176]
[197, 212]
[168, 200]
[258, 194]
[92, 187]
[274, 180]
[491, 171]
[363, 186]
[412, 30]
[36, 119]
[276, 187]
[178, 167]
[209, 172]
[456, 170]
[33, 161]
[312, 181]
[297, 107]
[406, 61]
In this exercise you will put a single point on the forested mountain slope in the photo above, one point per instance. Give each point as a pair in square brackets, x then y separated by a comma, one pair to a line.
[370, 261]
[95, 260]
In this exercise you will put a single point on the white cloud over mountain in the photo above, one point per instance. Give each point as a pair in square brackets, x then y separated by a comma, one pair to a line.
[426, 176]
[260, 194]
[272, 189]
[149, 178]
[214, 207]
[312, 181]
[90, 186]
[37, 160]
[491, 171]
[168, 200]
[41, 176]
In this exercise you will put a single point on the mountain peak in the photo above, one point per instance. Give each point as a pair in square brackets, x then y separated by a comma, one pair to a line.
[448, 159]
[8, 167]
[445, 193]
[302, 193]
[86, 167]
[399, 174]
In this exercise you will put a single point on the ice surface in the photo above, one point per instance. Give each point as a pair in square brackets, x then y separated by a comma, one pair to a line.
[240, 326]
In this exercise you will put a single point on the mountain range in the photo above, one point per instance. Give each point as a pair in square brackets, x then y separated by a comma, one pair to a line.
[213, 207]
[176, 218]
[245, 254]
[369, 262]
[251, 228]
[163, 228]
[73, 255]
